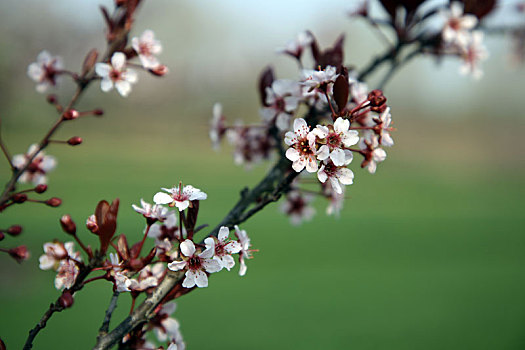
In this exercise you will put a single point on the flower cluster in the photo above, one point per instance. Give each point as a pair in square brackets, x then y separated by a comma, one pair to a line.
[344, 118]
[459, 36]
[117, 73]
[39, 165]
[62, 258]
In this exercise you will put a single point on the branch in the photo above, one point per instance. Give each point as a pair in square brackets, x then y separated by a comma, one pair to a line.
[109, 312]
[57, 306]
[4, 148]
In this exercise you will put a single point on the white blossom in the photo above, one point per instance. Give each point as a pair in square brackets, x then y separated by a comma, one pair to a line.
[282, 98]
[297, 206]
[337, 137]
[296, 46]
[179, 198]
[458, 25]
[67, 274]
[223, 248]
[302, 151]
[149, 211]
[37, 169]
[474, 53]
[196, 264]
[147, 47]
[336, 175]
[116, 74]
[245, 252]
[44, 71]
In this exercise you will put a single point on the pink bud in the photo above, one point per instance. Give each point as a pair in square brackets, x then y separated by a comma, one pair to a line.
[19, 253]
[54, 202]
[68, 225]
[14, 230]
[98, 112]
[159, 71]
[52, 99]
[75, 140]
[41, 188]
[70, 114]
[2, 236]
[66, 299]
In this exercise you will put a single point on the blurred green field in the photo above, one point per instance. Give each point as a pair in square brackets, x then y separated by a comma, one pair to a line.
[427, 254]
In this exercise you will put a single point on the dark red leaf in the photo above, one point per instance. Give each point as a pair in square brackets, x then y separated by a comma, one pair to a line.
[479, 8]
[265, 80]
[89, 61]
[341, 92]
[123, 248]
[106, 216]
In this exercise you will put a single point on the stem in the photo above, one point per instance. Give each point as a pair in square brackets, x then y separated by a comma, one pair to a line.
[109, 312]
[4, 149]
[56, 306]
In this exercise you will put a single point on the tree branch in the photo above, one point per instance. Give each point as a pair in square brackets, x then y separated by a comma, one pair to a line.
[109, 312]
[57, 306]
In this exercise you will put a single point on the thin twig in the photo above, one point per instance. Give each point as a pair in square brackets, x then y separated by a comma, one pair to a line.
[4, 148]
[109, 312]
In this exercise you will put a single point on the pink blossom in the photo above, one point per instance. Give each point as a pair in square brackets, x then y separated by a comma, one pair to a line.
[296, 206]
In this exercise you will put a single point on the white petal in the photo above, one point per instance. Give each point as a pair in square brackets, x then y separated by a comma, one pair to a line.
[106, 84]
[323, 152]
[292, 154]
[228, 262]
[299, 165]
[224, 232]
[130, 75]
[176, 265]
[321, 175]
[338, 157]
[189, 281]
[208, 253]
[46, 262]
[335, 185]
[162, 198]
[233, 247]
[123, 87]
[102, 69]
[118, 60]
[311, 165]
[182, 205]
[210, 243]
[350, 138]
[321, 131]
[187, 248]
[346, 176]
[289, 138]
[341, 125]
[211, 265]
[300, 126]
[243, 268]
[201, 280]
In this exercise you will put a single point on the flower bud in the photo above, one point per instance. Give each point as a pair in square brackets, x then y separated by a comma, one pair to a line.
[66, 299]
[2, 236]
[376, 98]
[19, 197]
[159, 71]
[41, 188]
[14, 230]
[70, 114]
[98, 112]
[68, 225]
[19, 253]
[75, 140]
[54, 202]
[52, 99]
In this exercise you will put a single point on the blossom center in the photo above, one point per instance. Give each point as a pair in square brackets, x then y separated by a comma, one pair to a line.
[195, 263]
[115, 75]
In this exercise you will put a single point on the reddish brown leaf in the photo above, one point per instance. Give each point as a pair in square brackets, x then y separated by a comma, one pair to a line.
[341, 92]
[479, 8]
[89, 61]
[106, 216]
[265, 80]
[123, 248]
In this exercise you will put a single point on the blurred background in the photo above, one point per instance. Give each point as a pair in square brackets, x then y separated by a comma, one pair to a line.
[427, 253]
